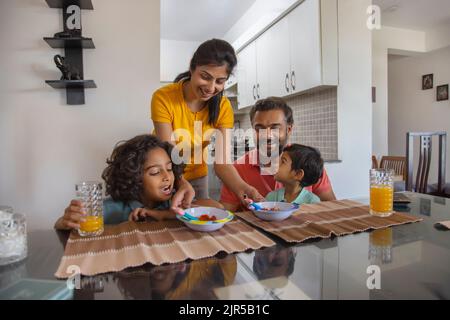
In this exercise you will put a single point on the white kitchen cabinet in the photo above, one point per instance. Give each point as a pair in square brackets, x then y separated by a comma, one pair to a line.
[254, 71]
[297, 53]
[246, 76]
[305, 46]
[280, 59]
[264, 59]
[313, 45]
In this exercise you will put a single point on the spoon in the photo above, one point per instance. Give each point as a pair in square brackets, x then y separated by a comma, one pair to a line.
[251, 203]
[185, 214]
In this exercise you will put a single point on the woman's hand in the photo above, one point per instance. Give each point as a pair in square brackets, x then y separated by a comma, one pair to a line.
[182, 199]
[249, 192]
[73, 216]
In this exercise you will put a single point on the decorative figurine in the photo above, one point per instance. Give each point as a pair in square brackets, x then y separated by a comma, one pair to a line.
[68, 73]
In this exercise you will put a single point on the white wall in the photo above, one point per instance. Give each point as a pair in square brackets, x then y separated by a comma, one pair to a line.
[438, 38]
[47, 146]
[175, 57]
[384, 40]
[402, 42]
[414, 109]
[350, 177]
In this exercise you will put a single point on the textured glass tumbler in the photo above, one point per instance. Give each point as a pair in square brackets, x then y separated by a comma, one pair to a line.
[381, 246]
[381, 192]
[90, 193]
[13, 237]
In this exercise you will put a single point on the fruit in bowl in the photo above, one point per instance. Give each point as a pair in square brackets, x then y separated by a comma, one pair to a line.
[274, 211]
[205, 219]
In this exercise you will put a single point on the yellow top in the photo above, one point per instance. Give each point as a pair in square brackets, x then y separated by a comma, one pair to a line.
[168, 106]
[203, 271]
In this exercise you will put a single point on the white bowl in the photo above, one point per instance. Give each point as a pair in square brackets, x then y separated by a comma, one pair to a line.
[285, 210]
[223, 216]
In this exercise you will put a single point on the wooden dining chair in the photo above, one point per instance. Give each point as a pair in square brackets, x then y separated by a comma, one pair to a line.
[397, 164]
[374, 162]
[423, 170]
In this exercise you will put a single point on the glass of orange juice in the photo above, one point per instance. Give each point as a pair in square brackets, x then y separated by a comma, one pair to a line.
[381, 245]
[381, 192]
[91, 195]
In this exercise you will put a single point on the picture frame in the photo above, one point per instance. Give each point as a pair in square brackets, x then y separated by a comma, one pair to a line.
[442, 93]
[427, 82]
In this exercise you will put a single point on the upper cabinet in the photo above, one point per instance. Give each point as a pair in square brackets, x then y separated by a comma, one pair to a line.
[298, 53]
[246, 76]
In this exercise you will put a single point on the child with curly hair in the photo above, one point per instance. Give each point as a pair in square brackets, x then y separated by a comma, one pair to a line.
[139, 179]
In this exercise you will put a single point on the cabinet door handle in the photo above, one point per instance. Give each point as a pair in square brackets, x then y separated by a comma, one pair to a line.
[293, 82]
[254, 96]
[286, 80]
[257, 91]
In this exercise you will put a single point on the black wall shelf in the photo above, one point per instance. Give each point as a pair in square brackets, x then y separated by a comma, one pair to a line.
[73, 46]
[75, 84]
[59, 4]
[74, 42]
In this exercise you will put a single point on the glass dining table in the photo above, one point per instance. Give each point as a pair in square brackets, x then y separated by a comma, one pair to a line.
[404, 262]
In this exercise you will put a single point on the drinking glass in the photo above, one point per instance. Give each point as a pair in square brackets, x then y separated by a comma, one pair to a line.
[13, 237]
[381, 192]
[91, 195]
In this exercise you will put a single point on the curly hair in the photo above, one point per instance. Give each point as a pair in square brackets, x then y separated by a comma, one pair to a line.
[125, 170]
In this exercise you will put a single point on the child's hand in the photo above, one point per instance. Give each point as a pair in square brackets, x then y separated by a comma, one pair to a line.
[141, 213]
[158, 215]
[73, 216]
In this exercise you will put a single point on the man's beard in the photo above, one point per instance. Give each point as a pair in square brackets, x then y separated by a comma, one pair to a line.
[266, 148]
[268, 157]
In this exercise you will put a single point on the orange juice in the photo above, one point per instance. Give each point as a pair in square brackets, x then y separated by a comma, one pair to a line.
[92, 226]
[381, 200]
[381, 238]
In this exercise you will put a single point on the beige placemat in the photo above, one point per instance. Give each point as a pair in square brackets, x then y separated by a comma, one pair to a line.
[133, 244]
[324, 219]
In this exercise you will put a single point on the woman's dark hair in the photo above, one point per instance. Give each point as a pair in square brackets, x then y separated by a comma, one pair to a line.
[125, 170]
[307, 159]
[215, 52]
[272, 103]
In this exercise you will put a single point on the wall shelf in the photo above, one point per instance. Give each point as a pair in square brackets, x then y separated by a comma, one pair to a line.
[73, 48]
[59, 4]
[71, 84]
[74, 42]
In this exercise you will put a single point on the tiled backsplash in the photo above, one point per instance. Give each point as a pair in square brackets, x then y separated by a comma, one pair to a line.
[315, 121]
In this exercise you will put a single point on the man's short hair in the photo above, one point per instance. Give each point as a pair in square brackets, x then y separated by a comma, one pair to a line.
[272, 103]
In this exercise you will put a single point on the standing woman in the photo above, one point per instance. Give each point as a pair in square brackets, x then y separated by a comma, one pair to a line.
[197, 95]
